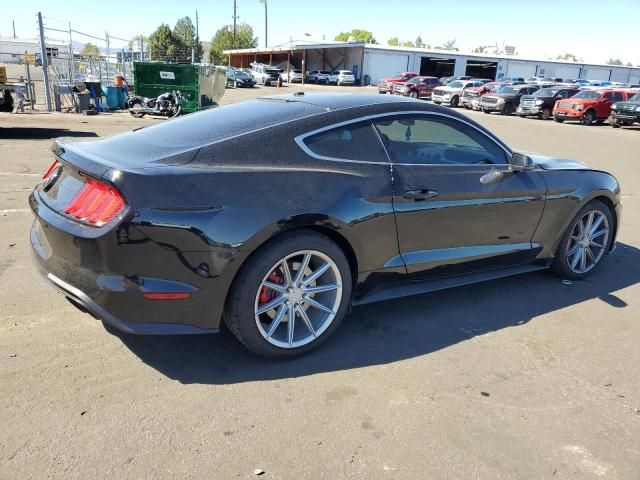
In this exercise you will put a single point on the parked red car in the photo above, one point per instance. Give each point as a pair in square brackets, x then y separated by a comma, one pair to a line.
[417, 87]
[471, 96]
[386, 84]
[588, 106]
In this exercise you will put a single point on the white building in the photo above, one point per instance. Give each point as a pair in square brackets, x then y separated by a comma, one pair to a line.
[373, 62]
[12, 50]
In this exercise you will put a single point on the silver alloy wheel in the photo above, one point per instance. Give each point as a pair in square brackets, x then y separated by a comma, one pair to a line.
[588, 241]
[298, 299]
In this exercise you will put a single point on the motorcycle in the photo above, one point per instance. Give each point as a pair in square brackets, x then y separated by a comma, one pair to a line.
[168, 104]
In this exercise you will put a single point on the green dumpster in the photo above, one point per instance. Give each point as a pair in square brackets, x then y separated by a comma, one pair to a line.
[201, 85]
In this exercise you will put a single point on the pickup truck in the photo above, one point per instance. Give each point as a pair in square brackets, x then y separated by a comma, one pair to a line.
[471, 96]
[453, 91]
[588, 106]
[625, 113]
[541, 103]
[417, 87]
[385, 85]
[506, 100]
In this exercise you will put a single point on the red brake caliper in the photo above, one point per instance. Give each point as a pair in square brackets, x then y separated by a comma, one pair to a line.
[266, 294]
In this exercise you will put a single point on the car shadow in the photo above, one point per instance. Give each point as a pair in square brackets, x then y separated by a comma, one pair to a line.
[387, 332]
[35, 133]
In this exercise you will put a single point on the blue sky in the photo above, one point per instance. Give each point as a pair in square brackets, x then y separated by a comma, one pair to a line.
[539, 28]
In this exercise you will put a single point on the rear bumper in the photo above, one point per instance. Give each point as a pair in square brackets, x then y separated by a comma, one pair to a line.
[108, 278]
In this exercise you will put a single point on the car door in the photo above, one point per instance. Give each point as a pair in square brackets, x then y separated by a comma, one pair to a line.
[451, 217]
[605, 107]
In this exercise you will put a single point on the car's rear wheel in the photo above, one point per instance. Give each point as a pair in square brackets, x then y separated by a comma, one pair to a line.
[508, 109]
[290, 296]
[585, 242]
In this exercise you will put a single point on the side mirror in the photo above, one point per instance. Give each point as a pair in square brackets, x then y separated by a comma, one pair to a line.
[520, 162]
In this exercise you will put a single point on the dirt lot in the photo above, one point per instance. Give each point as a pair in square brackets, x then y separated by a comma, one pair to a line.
[522, 378]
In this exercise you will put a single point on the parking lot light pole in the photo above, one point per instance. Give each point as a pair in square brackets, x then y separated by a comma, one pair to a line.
[264, 2]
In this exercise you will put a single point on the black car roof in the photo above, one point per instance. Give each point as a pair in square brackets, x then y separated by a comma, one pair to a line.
[336, 101]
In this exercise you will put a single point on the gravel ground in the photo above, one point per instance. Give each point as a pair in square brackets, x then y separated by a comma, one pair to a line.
[521, 378]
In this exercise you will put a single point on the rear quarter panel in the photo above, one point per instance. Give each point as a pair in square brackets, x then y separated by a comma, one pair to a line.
[568, 191]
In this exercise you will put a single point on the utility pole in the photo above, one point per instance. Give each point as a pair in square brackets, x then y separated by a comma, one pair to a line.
[70, 56]
[14, 28]
[193, 54]
[264, 2]
[141, 49]
[45, 62]
[107, 58]
[235, 17]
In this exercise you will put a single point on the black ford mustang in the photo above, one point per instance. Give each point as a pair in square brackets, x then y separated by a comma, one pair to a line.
[275, 215]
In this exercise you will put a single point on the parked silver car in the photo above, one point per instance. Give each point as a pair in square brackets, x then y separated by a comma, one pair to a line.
[318, 76]
[342, 77]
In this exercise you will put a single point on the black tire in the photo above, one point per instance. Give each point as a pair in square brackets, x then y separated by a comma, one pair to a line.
[587, 118]
[132, 104]
[484, 110]
[239, 308]
[413, 94]
[560, 265]
[175, 111]
[508, 109]
[559, 120]
[455, 101]
[545, 114]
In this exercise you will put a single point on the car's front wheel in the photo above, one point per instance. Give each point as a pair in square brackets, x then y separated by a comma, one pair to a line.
[586, 241]
[290, 296]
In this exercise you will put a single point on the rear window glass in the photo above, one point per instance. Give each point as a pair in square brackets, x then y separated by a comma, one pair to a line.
[349, 142]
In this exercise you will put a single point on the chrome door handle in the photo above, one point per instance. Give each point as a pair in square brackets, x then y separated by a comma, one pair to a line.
[420, 194]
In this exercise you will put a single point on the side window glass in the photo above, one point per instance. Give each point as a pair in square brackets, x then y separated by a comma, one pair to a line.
[423, 139]
[350, 142]
[617, 97]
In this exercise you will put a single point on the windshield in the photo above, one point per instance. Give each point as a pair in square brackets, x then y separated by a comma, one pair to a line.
[508, 90]
[588, 94]
[455, 84]
[635, 98]
[545, 92]
[345, 72]
[241, 74]
[415, 80]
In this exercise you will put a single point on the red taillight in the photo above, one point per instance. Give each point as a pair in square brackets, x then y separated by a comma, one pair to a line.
[96, 203]
[48, 172]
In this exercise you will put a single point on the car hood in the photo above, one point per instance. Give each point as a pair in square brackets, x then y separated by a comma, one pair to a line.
[501, 95]
[533, 97]
[554, 163]
[628, 104]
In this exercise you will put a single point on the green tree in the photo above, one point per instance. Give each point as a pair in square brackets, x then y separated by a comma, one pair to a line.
[448, 45]
[419, 42]
[409, 44]
[223, 40]
[90, 50]
[184, 33]
[614, 61]
[393, 41]
[163, 45]
[362, 36]
[568, 56]
[480, 49]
